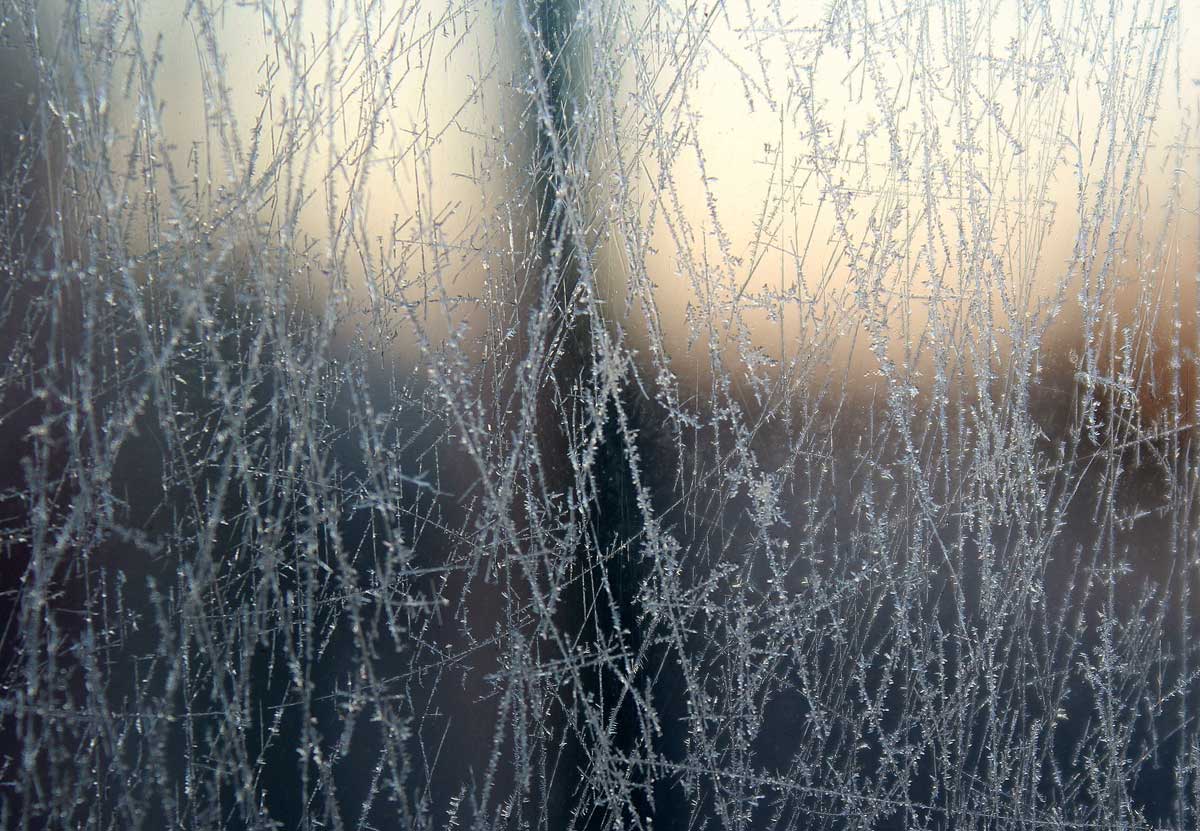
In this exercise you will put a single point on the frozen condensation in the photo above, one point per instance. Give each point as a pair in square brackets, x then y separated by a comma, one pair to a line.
[599, 414]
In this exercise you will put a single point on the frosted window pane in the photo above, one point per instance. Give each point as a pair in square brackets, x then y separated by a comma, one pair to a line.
[589, 414]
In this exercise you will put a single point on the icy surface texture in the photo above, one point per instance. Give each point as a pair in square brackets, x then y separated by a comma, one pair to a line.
[590, 414]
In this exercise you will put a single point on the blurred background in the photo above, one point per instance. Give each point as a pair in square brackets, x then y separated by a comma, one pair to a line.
[599, 414]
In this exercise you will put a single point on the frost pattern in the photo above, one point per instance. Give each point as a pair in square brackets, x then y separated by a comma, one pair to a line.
[599, 414]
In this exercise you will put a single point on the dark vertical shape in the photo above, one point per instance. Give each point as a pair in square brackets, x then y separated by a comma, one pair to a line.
[602, 608]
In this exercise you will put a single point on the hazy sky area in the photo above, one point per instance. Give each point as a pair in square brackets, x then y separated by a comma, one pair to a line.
[727, 131]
